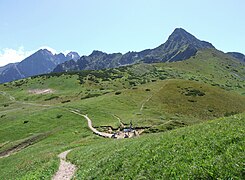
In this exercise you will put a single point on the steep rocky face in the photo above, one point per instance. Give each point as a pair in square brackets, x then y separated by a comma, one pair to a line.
[60, 58]
[3, 68]
[41, 62]
[11, 74]
[72, 55]
[96, 60]
[67, 66]
[237, 55]
[180, 45]
[133, 57]
[181, 37]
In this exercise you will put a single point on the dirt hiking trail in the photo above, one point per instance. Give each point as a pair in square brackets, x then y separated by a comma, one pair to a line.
[66, 169]
[103, 134]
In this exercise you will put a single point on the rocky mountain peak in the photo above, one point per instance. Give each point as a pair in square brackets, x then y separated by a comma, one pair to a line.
[97, 53]
[73, 55]
[181, 36]
[44, 52]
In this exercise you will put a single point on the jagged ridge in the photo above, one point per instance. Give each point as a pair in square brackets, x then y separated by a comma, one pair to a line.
[180, 45]
[42, 61]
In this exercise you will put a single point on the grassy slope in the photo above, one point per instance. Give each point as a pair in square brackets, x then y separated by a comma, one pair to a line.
[211, 150]
[211, 67]
[93, 92]
[39, 160]
[167, 102]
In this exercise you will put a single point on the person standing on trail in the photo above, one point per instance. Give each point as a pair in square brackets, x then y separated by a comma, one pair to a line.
[135, 134]
[131, 125]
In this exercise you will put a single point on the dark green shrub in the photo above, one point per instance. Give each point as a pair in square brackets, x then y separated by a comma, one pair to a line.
[194, 92]
[230, 113]
[59, 116]
[90, 96]
[2, 116]
[66, 101]
[50, 98]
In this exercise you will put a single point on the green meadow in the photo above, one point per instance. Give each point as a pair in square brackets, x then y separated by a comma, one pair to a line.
[192, 113]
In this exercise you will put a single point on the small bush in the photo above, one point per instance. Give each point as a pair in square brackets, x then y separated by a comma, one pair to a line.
[2, 116]
[59, 116]
[194, 92]
[66, 101]
[90, 96]
[230, 113]
[50, 98]
[162, 77]
[117, 93]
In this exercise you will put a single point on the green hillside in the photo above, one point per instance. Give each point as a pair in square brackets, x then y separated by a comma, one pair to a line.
[212, 67]
[163, 104]
[37, 123]
[212, 150]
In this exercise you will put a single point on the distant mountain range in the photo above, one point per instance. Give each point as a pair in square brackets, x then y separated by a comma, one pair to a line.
[41, 62]
[180, 45]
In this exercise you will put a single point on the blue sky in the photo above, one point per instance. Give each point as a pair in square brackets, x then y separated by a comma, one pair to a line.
[115, 25]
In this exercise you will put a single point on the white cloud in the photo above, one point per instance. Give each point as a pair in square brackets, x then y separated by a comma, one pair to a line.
[8, 55]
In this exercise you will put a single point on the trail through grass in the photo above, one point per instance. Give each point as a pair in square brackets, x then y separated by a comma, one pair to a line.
[211, 150]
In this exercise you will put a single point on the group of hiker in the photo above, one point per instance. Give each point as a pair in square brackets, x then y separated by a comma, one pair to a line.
[127, 132]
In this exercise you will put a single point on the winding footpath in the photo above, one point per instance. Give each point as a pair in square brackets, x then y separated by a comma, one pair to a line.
[143, 104]
[149, 98]
[103, 134]
[66, 169]
[119, 120]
